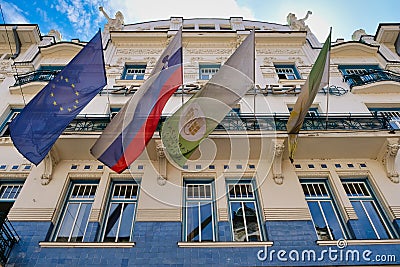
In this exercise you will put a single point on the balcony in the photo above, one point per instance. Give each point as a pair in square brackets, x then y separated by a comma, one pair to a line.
[95, 123]
[35, 76]
[8, 238]
[372, 76]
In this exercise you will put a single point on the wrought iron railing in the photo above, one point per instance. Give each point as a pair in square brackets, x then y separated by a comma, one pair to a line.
[8, 238]
[320, 122]
[371, 76]
[265, 122]
[38, 75]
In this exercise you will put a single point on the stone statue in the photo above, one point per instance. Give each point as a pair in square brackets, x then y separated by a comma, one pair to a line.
[298, 24]
[358, 34]
[115, 24]
[56, 34]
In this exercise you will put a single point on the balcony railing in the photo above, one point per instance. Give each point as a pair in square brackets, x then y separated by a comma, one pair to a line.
[265, 122]
[34, 76]
[371, 77]
[8, 238]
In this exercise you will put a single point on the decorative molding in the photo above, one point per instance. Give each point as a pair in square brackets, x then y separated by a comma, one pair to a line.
[223, 214]
[311, 173]
[5, 140]
[50, 162]
[138, 51]
[279, 147]
[209, 51]
[232, 244]
[355, 173]
[158, 215]
[162, 163]
[80, 175]
[351, 213]
[86, 245]
[202, 174]
[395, 210]
[13, 175]
[286, 214]
[388, 156]
[95, 215]
[31, 214]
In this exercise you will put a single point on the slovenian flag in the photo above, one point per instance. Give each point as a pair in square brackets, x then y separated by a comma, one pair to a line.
[318, 78]
[127, 135]
[200, 115]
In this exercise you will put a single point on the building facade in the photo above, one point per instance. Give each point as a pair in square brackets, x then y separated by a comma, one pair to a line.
[238, 200]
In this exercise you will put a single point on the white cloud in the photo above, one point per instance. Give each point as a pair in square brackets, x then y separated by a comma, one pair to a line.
[147, 10]
[12, 13]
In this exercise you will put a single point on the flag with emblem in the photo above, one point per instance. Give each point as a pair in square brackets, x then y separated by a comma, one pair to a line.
[183, 132]
[35, 130]
[317, 79]
[131, 129]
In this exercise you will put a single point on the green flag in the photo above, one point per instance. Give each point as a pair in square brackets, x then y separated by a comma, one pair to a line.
[318, 78]
[183, 132]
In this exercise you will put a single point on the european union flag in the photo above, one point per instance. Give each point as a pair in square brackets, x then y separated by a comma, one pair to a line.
[45, 117]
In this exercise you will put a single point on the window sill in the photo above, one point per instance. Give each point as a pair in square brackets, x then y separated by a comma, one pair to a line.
[224, 244]
[360, 242]
[86, 245]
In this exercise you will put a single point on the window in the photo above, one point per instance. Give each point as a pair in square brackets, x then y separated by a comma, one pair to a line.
[288, 72]
[206, 71]
[357, 69]
[9, 192]
[134, 72]
[244, 215]
[361, 74]
[312, 111]
[75, 217]
[199, 212]
[372, 222]
[4, 129]
[390, 114]
[327, 222]
[120, 217]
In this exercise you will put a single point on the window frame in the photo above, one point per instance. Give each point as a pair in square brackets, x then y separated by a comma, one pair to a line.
[279, 69]
[331, 198]
[67, 200]
[12, 114]
[134, 76]
[111, 201]
[253, 199]
[390, 230]
[213, 68]
[210, 200]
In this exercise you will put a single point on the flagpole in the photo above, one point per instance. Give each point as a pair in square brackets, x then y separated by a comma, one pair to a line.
[182, 86]
[254, 77]
[328, 86]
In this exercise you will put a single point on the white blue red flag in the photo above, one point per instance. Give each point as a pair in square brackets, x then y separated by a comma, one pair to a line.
[127, 135]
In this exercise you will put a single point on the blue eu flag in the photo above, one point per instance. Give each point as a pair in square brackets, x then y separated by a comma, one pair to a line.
[45, 117]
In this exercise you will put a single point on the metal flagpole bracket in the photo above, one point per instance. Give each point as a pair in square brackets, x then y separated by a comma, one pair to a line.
[162, 163]
[279, 147]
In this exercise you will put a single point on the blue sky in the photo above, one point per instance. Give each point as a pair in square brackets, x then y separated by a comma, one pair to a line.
[81, 18]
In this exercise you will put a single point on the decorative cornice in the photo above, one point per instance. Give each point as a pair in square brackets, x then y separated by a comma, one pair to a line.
[79, 175]
[351, 213]
[395, 210]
